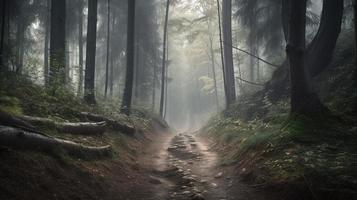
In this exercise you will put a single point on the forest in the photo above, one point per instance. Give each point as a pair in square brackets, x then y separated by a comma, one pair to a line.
[178, 99]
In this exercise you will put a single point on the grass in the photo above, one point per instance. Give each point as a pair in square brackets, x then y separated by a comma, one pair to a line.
[289, 151]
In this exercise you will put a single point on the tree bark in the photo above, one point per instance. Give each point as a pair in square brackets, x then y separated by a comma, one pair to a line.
[228, 54]
[354, 111]
[221, 49]
[303, 99]
[111, 72]
[130, 51]
[115, 125]
[12, 137]
[20, 38]
[46, 48]
[108, 53]
[163, 72]
[3, 15]
[322, 46]
[89, 80]
[80, 49]
[213, 65]
[83, 128]
[57, 43]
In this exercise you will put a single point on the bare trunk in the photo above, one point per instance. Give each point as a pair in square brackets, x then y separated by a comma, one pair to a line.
[322, 46]
[221, 48]
[111, 71]
[84, 128]
[12, 137]
[228, 54]
[89, 82]
[57, 43]
[166, 76]
[3, 15]
[128, 90]
[355, 72]
[154, 79]
[115, 125]
[163, 73]
[108, 53]
[137, 72]
[20, 38]
[213, 65]
[80, 49]
[47, 37]
[303, 99]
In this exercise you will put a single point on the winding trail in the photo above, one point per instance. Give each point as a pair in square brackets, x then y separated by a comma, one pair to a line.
[181, 167]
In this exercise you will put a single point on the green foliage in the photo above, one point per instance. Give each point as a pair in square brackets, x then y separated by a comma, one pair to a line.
[30, 99]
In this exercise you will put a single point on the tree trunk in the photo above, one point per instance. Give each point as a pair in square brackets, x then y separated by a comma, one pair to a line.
[47, 37]
[137, 71]
[213, 65]
[354, 111]
[322, 46]
[80, 49]
[3, 15]
[303, 99]
[128, 90]
[325, 40]
[228, 54]
[12, 137]
[221, 49]
[163, 72]
[111, 72]
[57, 43]
[166, 76]
[89, 80]
[108, 53]
[153, 101]
[20, 38]
[84, 128]
[115, 125]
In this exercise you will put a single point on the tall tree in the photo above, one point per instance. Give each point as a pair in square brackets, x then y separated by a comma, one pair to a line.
[163, 72]
[89, 82]
[80, 48]
[47, 37]
[130, 51]
[228, 54]
[355, 72]
[111, 71]
[3, 14]
[108, 53]
[57, 43]
[303, 99]
[221, 47]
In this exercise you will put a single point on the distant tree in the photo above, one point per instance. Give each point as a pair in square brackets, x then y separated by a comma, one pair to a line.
[303, 99]
[3, 14]
[108, 51]
[89, 82]
[130, 51]
[221, 47]
[80, 47]
[163, 72]
[228, 54]
[57, 42]
[47, 38]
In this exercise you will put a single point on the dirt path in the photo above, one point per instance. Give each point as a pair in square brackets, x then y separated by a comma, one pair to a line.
[181, 167]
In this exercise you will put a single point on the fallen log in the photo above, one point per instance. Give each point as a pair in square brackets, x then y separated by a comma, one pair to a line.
[17, 138]
[85, 128]
[115, 125]
[10, 120]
